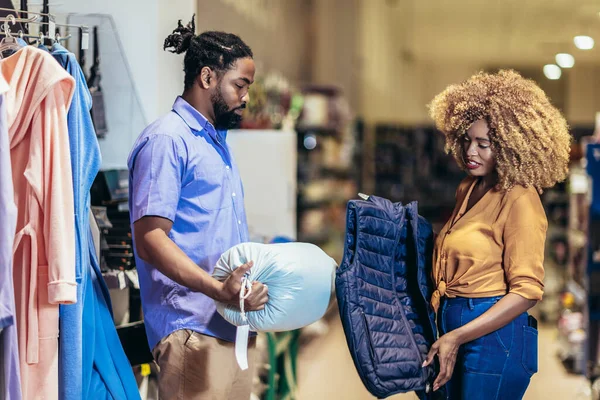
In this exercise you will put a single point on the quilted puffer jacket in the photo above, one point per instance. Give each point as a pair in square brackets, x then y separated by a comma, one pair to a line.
[383, 288]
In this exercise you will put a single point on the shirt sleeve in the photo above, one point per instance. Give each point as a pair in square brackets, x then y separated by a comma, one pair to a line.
[57, 189]
[524, 240]
[156, 176]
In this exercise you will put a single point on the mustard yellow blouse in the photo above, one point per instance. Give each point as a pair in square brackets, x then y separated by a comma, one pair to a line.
[495, 248]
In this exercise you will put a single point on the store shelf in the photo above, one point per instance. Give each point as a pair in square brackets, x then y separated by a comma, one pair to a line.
[578, 291]
[316, 239]
[349, 174]
[121, 279]
[318, 204]
[577, 238]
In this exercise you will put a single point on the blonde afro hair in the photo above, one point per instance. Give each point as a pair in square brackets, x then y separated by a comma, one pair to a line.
[529, 136]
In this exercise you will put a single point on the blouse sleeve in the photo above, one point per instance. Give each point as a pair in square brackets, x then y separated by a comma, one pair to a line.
[524, 239]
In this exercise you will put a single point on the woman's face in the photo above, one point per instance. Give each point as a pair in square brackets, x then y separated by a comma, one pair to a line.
[477, 152]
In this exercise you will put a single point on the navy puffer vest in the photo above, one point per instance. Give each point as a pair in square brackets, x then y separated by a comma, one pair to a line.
[384, 289]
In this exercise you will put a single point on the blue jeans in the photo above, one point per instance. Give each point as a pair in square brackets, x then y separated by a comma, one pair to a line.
[497, 366]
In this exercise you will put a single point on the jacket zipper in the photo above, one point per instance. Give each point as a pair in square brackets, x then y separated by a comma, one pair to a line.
[402, 314]
[412, 338]
[369, 341]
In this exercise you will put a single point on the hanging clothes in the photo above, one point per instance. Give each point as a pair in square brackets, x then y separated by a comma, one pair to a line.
[44, 261]
[85, 164]
[107, 374]
[10, 376]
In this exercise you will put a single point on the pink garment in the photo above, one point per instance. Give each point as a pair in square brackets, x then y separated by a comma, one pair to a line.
[44, 249]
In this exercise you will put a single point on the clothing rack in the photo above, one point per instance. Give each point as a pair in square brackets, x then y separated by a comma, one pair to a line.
[47, 23]
[46, 17]
[23, 14]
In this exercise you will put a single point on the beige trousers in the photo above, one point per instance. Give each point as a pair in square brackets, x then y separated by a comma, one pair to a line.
[193, 366]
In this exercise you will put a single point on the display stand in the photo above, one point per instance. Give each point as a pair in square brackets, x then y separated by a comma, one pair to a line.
[283, 353]
[328, 171]
[410, 165]
[556, 206]
[579, 324]
[571, 324]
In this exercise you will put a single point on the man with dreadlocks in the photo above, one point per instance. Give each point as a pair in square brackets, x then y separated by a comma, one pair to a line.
[186, 206]
[488, 258]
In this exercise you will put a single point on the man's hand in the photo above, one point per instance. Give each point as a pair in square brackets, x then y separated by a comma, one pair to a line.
[230, 292]
[154, 246]
[258, 298]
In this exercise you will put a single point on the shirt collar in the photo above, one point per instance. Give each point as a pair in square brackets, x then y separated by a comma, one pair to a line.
[59, 49]
[195, 120]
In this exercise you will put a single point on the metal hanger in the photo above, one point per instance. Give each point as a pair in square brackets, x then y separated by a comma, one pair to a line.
[48, 25]
[23, 12]
[36, 20]
[9, 42]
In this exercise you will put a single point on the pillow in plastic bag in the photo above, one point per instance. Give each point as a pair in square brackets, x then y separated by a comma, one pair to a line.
[300, 278]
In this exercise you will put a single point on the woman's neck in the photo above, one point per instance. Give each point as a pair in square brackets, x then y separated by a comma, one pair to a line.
[487, 182]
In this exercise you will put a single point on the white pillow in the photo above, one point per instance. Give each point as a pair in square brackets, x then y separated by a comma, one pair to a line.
[300, 278]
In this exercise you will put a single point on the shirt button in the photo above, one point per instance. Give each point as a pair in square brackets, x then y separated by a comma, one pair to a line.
[227, 167]
[233, 194]
[239, 222]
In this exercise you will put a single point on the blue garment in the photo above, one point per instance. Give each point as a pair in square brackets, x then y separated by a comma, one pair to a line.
[384, 290]
[181, 169]
[593, 170]
[107, 373]
[10, 374]
[496, 366]
[85, 164]
[83, 346]
[42, 46]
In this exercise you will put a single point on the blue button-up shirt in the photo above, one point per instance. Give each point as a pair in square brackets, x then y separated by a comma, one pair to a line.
[181, 169]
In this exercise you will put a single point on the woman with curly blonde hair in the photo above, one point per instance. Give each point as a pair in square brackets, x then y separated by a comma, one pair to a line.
[488, 258]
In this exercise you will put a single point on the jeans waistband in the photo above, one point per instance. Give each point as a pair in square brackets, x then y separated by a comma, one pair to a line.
[470, 301]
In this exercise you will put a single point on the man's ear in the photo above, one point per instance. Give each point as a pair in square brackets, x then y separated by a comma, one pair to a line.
[206, 78]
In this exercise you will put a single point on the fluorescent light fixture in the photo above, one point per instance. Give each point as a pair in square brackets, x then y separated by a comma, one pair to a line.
[552, 72]
[565, 60]
[584, 42]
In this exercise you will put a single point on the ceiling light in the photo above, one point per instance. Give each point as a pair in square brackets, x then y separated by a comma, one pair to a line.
[565, 60]
[310, 142]
[552, 72]
[584, 42]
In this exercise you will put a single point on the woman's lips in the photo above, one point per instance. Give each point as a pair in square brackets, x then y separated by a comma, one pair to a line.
[473, 165]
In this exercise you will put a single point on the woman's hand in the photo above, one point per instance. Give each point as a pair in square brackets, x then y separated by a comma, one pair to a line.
[446, 349]
[504, 311]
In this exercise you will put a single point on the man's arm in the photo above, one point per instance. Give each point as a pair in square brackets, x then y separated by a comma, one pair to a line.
[154, 246]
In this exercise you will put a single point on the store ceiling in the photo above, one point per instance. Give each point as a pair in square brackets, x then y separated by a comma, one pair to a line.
[497, 32]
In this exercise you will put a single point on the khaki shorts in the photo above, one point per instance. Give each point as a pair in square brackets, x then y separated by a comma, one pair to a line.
[193, 366]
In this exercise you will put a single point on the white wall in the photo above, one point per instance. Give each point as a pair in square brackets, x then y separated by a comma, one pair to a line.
[157, 76]
[137, 26]
[170, 66]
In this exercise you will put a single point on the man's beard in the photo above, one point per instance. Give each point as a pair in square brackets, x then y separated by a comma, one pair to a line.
[224, 117]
